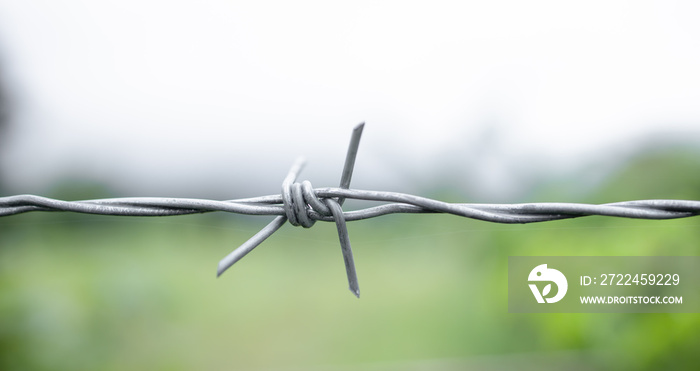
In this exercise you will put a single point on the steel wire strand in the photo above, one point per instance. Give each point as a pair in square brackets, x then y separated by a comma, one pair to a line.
[399, 203]
[132, 206]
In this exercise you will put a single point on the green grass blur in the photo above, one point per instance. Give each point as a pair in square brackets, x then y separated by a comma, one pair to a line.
[80, 292]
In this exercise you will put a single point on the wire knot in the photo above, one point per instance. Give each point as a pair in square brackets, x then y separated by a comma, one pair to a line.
[302, 207]
[299, 200]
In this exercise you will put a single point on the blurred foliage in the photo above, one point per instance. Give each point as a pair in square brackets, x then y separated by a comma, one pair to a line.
[657, 172]
[110, 293]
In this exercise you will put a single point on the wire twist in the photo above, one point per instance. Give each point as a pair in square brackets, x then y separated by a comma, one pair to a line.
[303, 205]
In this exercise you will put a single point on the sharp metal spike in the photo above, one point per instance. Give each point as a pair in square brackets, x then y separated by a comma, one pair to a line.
[338, 211]
[249, 245]
[264, 233]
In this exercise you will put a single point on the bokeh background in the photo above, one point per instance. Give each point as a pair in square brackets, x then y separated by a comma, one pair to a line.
[500, 101]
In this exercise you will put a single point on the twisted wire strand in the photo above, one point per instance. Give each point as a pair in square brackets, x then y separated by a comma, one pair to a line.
[302, 205]
[273, 205]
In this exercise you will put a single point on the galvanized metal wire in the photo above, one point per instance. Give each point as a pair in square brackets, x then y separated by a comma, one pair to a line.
[302, 205]
[399, 203]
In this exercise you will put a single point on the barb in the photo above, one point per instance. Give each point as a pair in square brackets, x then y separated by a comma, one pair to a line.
[301, 204]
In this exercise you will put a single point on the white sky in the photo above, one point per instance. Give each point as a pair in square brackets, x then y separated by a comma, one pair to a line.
[180, 97]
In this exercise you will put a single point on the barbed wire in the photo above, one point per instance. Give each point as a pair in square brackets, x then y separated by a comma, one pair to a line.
[303, 205]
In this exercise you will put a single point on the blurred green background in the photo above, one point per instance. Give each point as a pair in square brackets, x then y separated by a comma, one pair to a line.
[81, 292]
